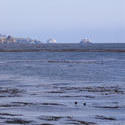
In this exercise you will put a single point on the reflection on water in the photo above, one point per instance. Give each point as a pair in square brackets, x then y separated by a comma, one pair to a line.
[77, 88]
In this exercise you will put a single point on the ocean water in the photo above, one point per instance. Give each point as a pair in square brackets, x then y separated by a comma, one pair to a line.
[62, 88]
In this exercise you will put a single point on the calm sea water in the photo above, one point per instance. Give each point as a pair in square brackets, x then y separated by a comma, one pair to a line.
[58, 88]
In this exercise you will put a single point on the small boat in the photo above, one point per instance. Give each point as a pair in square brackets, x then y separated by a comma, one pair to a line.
[85, 41]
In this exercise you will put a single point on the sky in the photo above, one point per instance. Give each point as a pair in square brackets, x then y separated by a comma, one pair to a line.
[64, 20]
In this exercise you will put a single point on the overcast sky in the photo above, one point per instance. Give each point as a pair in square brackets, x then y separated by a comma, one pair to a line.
[64, 20]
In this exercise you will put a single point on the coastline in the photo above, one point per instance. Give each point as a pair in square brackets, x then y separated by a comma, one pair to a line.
[63, 47]
[75, 50]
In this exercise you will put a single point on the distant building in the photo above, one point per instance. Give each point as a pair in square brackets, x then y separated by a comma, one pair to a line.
[51, 41]
[10, 39]
[1, 35]
[36, 42]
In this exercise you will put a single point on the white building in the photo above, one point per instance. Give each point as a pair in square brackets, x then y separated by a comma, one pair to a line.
[51, 41]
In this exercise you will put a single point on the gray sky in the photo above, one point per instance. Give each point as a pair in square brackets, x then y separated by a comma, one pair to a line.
[65, 20]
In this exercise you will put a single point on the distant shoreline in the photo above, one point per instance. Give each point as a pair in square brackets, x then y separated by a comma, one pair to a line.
[33, 50]
[66, 47]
